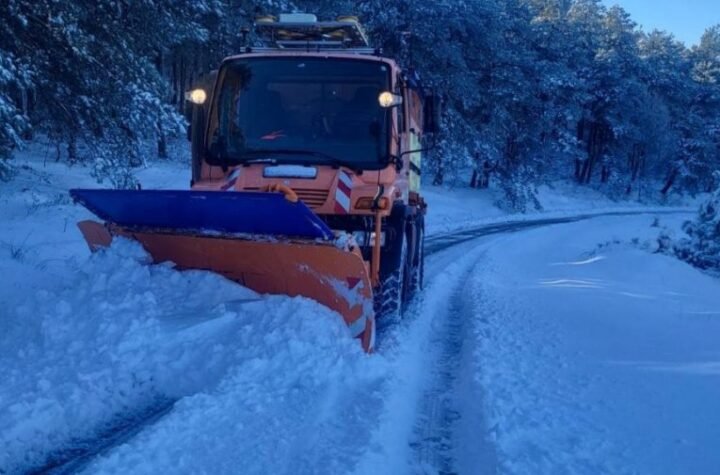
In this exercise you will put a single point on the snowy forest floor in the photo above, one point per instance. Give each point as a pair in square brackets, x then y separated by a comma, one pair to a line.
[571, 348]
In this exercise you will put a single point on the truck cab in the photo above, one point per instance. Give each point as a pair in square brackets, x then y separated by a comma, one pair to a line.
[318, 113]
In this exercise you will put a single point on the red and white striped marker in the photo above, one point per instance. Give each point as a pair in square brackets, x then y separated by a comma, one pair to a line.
[342, 193]
[231, 180]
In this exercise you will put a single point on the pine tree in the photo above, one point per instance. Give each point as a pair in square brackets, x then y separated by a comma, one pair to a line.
[702, 248]
[12, 121]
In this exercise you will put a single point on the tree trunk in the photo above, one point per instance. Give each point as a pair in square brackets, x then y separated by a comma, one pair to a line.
[605, 174]
[183, 83]
[670, 181]
[439, 176]
[25, 106]
[485, 180]
[72, 149]
[586, 172]
[578, 169]
[595, 135]
[636, 159]
[161, 143]
[174, 81]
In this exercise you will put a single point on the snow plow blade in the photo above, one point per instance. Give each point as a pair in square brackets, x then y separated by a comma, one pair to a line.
[236, 212]
[260, 240]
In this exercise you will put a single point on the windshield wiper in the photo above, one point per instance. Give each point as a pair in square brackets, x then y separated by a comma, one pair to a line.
[245, 158]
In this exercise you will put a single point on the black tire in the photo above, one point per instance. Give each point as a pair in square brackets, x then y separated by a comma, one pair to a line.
[389, 297]
[417, 272]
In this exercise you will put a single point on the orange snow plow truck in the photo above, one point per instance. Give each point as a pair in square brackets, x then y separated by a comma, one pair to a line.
[306, 160]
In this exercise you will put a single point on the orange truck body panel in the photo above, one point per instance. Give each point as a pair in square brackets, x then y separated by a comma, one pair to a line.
[317, 193]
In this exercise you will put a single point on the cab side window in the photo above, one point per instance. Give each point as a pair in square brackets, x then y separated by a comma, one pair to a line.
[414, 113]
[401, 115]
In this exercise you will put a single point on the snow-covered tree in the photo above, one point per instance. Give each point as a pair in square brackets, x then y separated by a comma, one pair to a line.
[93, 78]
[535, 90]
[12, 122]
[702, 248]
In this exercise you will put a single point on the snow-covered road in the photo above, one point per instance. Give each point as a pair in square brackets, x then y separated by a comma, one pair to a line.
[596, 355]
[566, 348]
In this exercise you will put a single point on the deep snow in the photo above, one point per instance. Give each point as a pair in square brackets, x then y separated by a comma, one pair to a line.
[566, 349]
[592, 354]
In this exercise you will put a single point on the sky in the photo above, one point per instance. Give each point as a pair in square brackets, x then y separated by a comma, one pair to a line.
[686, 19]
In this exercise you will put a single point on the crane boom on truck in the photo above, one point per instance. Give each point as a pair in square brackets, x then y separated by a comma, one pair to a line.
[306, 161]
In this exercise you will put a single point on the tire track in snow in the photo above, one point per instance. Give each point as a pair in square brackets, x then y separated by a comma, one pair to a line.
[440, 408]
[80, 453]
[411, 436]
[437, 410]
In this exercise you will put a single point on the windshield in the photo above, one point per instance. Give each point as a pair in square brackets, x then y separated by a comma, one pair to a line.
[303, 110]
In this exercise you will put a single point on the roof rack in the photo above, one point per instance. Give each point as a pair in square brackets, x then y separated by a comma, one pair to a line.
[304, 32]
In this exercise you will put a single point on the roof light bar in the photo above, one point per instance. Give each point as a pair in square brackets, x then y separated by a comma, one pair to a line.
[298, 18]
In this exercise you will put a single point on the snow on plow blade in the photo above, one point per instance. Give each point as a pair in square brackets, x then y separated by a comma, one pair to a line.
[260, 240]
[235, 212]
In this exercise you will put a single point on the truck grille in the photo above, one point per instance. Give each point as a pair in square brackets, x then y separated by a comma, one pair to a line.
[312, 198]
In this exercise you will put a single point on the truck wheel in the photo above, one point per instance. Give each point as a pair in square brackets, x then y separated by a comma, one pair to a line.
[389, 294]
[417, 272]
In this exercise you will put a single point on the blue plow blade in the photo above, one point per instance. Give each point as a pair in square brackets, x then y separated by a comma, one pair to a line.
[233, 212]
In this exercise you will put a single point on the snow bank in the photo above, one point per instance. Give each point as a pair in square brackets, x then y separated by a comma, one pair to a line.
[39, 242]
[288, 404]
[111, 338]
[120, 336]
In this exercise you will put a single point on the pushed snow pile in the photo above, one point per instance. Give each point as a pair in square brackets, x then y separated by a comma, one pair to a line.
[702, 249]
[121, 336]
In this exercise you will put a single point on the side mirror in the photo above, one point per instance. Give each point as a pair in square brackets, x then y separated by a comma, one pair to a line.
[432, 114]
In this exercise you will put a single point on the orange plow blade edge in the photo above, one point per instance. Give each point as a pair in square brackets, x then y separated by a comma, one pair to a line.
[334, 277]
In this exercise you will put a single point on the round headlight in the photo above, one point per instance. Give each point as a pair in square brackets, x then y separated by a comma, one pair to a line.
[196, 96]
[388, 99]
